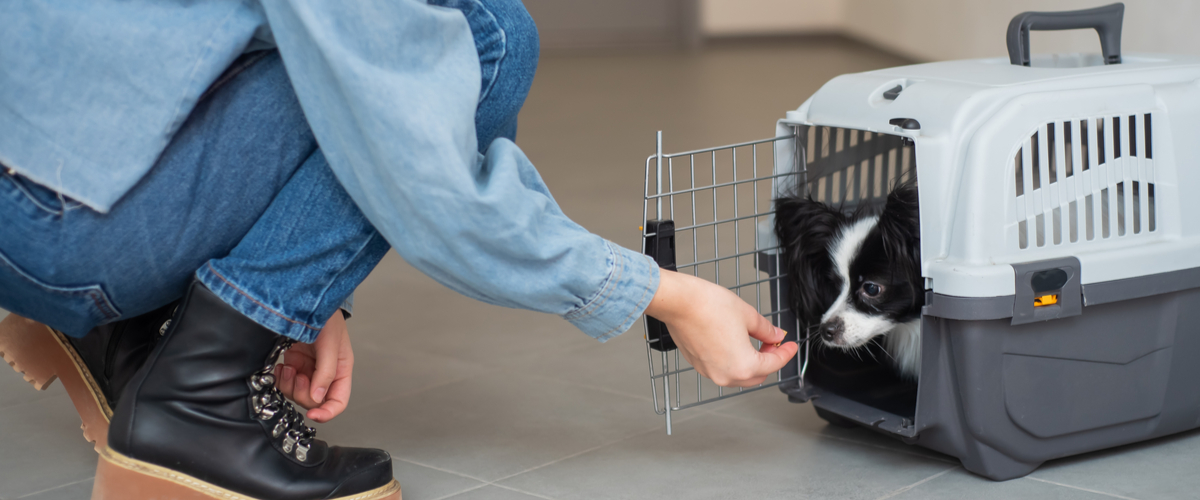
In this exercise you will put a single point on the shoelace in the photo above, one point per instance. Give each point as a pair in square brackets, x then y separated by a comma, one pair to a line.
[268, 403]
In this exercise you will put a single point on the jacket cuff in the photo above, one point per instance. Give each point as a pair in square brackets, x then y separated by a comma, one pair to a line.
[624, 295]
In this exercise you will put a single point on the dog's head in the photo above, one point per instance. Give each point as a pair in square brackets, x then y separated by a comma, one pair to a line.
[857, 276]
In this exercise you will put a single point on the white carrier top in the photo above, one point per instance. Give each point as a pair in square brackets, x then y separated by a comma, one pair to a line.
[1067, 158]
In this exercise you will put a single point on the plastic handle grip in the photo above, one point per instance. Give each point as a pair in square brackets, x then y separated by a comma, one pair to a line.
[1105, 20]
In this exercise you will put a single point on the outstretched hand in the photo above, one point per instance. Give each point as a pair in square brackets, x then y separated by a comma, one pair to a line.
[317, 376]
[712, 326]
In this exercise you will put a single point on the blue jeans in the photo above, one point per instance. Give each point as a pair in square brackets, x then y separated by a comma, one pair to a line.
[242, 198]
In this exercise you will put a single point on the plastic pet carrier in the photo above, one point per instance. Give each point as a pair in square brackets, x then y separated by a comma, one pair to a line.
[1062, 270]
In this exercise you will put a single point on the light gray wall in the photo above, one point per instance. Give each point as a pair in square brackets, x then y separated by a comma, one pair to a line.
[956, 29]
[931, 30]
[571, 24]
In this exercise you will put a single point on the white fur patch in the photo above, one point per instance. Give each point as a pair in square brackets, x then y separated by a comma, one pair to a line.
[903, 340]
[904, 344]
[843, 250]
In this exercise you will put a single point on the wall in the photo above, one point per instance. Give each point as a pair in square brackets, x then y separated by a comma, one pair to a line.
[955, 29]
[588, 24]
[770, 17]
[930, 30]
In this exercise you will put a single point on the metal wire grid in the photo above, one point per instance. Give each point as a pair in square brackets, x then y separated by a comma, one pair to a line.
[720, 200]
[726, 234]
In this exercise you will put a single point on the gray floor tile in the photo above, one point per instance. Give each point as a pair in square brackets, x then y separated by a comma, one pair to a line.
[418, 482]
[492, 492]
[618, 365]
[495, 425]
[715, 456]
[14, 390]
[81, 490]
[43, 446]
[385, 374]
[958, 484]
[1161, 469]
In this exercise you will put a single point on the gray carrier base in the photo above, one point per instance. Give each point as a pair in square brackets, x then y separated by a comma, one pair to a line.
[1004, 396]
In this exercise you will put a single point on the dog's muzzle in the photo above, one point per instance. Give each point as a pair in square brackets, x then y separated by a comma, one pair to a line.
[832, 330]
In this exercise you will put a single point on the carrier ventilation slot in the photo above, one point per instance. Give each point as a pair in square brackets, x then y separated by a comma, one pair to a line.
[850, 167]
[1085, 180]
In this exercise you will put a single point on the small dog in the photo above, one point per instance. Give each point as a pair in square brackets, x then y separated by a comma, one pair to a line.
[857, 276]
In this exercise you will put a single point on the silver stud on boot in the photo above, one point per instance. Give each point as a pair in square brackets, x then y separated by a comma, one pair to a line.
[268, 403]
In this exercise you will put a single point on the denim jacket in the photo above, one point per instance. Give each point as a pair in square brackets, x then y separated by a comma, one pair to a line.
[92, 91]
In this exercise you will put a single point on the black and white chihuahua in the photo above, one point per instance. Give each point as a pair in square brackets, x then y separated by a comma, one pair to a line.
[857, 276]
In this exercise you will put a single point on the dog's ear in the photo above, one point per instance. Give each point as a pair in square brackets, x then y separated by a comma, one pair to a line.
[806, 228]
[900, 227]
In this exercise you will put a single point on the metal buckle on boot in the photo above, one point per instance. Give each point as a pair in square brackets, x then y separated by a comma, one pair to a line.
[267, 403]
[290, 440]
[265, 406]
[262, 381]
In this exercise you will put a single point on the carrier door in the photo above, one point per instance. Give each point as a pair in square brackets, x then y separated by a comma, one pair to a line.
[710, 213]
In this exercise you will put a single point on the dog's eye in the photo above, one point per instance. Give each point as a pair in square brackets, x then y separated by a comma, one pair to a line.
[871, 289]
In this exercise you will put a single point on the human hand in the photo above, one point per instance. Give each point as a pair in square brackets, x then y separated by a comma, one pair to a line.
[317, 375]
[711, 326]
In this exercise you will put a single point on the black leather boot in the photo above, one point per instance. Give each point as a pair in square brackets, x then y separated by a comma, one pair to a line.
[113, 353]
[203, 420]
[94, 369]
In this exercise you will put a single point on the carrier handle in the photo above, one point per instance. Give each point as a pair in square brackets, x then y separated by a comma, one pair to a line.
[1105, 20]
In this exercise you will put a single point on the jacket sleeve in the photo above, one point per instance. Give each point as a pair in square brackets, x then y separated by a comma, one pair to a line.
[390, 89]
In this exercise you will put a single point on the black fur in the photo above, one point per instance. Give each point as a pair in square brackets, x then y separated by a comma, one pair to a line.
[891, 255]
[899, 229]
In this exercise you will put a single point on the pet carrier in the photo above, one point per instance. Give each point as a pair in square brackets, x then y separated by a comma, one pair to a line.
[1062, 276]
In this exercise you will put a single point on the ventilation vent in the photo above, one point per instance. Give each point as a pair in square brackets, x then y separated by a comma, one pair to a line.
[1085, 180]
[849, 167]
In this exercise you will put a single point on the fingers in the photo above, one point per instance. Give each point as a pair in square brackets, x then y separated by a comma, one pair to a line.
[761, 328]
[772, 359]
[768, 360]
[335, 402]
[301, 394]
[285, 380]
[326, 348]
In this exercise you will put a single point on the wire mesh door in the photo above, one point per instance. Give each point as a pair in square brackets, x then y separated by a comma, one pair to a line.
[709, 213]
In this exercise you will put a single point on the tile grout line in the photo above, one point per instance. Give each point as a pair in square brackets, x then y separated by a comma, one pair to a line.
[439, 469]
[1114, 495]
[594, 448]
[457, 493]
[56, 487]
[473, 488]
[918, 483]
[523, 492]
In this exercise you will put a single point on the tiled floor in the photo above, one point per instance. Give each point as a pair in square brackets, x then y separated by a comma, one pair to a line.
[479, 402]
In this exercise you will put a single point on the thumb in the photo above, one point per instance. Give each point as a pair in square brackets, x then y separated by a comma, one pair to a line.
[772, 359]
[761, 328]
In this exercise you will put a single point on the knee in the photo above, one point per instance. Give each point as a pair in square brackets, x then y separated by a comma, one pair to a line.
[520, 38]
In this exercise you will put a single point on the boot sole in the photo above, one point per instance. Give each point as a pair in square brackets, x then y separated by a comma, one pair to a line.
[119, 477]
[43, 355]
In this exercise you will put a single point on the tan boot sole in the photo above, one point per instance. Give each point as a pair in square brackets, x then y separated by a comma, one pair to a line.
[43, 355]
[119, 477]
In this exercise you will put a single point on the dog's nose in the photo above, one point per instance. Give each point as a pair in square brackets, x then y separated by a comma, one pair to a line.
[832, 330]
